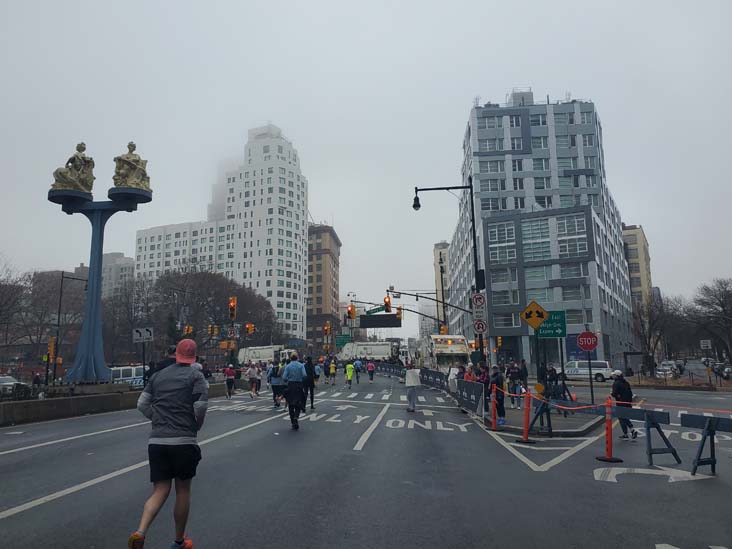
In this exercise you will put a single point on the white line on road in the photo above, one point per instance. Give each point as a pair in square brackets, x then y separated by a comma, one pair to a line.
[353, 395]
[367, 434]
[369, 396]
[530, 447]
[403, 398]
[439, 399]
[78, 487]
[321, 393]
[60, 440]
[335, 395]
[421, 399]
[385, 397]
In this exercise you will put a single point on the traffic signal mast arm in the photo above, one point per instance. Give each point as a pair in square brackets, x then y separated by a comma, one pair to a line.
[422, 296]
[404, 309]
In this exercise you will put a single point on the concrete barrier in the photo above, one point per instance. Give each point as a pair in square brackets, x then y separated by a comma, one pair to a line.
[29, 411]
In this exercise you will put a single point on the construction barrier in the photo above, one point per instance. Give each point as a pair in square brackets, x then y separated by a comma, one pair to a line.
[391, 369]
[433, 378]
[709, 426]
[609, 457]
[652, 420]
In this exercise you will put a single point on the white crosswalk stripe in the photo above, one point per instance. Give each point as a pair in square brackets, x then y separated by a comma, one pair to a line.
[369, 396]
[321, 393]
[421, 399]
[403, 398]
[385, 397]
[439, 399]
[352, 395]
[334, 395]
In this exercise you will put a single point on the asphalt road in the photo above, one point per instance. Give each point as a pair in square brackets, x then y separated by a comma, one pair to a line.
[360, 473]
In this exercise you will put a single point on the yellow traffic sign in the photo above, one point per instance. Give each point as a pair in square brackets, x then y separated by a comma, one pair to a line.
[539, 388]
[534, 315]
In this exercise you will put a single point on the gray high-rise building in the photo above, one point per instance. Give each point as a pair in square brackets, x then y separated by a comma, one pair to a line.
[548, 229]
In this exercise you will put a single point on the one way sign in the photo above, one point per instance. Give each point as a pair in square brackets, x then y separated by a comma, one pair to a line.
[142, 335]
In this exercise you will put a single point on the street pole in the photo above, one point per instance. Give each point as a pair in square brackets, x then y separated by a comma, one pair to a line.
[478, 285]
[58, 329]
[442, 290]
[592, 387]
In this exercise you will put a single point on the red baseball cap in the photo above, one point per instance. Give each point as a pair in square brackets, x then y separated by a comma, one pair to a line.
[185, 351]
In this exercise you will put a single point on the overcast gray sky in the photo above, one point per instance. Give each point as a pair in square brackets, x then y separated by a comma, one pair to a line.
[375, 96]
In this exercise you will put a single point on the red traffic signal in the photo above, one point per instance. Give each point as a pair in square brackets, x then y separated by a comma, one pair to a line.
[387, 304]
[232, 308]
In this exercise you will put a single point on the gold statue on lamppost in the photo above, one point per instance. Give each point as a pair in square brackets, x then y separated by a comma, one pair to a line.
[77, 174]
[131, 170]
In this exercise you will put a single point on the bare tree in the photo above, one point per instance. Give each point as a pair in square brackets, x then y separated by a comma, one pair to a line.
[712, 312]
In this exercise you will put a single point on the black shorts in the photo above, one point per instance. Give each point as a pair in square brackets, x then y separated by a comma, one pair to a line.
[173, 461]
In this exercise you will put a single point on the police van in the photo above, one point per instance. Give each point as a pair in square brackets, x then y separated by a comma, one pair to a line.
[133, 375]
[578, 370]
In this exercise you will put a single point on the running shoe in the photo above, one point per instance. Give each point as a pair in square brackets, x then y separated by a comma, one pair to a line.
[136, 541]
[634, 434]
[624, 437]
[187, 544]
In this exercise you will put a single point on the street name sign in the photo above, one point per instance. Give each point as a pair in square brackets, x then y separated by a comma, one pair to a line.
[554, 326]
[705, 344]
[378, 309]
[341, 340]
[534, 315]
[587, 341]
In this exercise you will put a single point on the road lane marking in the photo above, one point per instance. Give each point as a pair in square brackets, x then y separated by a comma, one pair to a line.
[371, 428]
[335, 395]
[403, 398]
[76, 437]
[369, 396]
[78, 487]
[530, 447]
[439, 399]
[352, 395]
[421, 399]
[385, 397]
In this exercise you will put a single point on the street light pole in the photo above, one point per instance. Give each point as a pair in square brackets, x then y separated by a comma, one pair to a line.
[479, 276]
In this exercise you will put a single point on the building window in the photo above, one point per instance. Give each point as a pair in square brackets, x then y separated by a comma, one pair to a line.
[632, 253]
[572, 247]
[505, 320]
[634, 267]
[490, 144]
[504, 297]
[517, 144]
[509, 274]
[540, 142]
[575, 316]
[517, 165]
[588, 140]
[535, 229]
[571, 224]
[518, 183]
[568, 163]
[536, 274]
[493, 185]
[571, 293]
[573, 270]
[492, 204]
[490, 122]
[519, 203]
[586, 117]
[635, 282]
[590, 162]
[541, 164]
[501, 233]
[492, 166]
[541, 183]
[538, 294]
[538, 120]
[543, 201]
[515, 121]
[536, 251]
[566, 201]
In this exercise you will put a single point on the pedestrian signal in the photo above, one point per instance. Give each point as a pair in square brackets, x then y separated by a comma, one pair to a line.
[443, 329]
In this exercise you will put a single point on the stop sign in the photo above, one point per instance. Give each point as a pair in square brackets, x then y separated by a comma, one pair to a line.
[587, 341]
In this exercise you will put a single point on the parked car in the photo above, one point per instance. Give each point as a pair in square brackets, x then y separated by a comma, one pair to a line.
[12, 388]
[665, 372]
[578, 369]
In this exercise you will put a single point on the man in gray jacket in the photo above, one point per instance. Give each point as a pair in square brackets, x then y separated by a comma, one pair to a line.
[175, 400]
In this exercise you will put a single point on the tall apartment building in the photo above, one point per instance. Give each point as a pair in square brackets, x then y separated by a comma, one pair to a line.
[442, 280]
[638, 256]
[261, 243]
[324, 251]
[547, 228]
[116, 271]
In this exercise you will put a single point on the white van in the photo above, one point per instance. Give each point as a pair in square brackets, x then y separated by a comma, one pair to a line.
[578, 370]
[128, 374]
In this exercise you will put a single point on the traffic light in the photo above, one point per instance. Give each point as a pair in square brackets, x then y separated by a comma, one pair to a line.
[210, 329]
[51, 346]
[399, 313]
[188, 329]
[216, 331]
[232, 308]
[351, 312]
[250, 328]
[387, 304]
[443, 329]
[326, 328]
[500, 341]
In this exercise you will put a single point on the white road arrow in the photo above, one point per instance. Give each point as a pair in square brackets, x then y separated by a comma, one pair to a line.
[344, 407]
[610, 474]
[428, 412]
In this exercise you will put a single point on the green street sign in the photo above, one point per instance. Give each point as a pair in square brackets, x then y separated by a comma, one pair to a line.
[378, 309]
[341, 340]
[554, 326]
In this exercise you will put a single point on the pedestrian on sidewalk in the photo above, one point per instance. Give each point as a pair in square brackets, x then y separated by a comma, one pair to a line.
[514, 383]
[252, 376]
[411, 382]
[497, 380]
[370, 368]
[309, 384]
[274, 378]
[230, 375]
[623, 395]
[294, 375]
[175, 400]
[470, 375]
[524, 373]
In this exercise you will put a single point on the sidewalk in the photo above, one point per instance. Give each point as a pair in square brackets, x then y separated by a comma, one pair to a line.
[574, 425]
